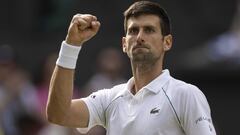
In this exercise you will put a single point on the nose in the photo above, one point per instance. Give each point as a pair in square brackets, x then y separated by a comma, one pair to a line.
[140, 36]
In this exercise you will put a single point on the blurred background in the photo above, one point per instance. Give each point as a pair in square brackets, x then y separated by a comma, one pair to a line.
[206, 53]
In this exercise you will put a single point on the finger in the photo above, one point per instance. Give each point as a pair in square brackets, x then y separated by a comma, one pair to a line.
[85, 21]
[89, 18]
[80, 23]
[95, 25]
[76, 16]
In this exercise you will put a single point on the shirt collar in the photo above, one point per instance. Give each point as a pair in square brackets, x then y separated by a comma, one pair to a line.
[154, 86]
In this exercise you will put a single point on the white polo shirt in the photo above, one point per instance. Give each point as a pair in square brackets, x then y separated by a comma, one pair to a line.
[166, 106]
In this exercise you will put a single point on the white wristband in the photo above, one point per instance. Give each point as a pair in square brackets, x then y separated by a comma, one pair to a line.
[68, 55]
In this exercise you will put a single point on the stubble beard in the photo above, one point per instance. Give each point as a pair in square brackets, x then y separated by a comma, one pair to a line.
[144, 59]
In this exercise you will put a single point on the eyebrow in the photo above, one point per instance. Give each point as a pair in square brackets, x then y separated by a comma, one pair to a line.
[137, 26]
[149, 26]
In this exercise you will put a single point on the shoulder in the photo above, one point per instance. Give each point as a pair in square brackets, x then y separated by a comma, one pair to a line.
[111, 93]
[117, 91]
[184, 88]
[187, 97]
[101, 99]
[185, 92]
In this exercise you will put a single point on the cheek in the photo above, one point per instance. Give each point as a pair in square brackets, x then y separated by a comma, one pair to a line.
[129, 43]
[159, 44]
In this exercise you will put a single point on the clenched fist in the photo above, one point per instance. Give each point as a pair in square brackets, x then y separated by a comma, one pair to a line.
[82, 28]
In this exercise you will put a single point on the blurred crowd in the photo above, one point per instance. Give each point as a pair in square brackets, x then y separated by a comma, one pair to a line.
[219, 53]
[23, 98]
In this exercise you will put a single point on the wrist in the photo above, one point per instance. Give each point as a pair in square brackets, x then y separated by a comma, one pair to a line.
[68, 55]
[73, 42]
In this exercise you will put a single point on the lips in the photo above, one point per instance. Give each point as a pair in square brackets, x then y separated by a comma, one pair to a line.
[140, 46]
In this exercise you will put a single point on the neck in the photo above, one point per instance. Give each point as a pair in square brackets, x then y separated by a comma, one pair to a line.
[144, 73]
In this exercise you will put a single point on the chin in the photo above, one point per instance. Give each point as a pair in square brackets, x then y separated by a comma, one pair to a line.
[140, 57]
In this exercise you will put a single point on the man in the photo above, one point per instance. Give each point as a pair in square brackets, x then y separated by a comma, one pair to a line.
[150, 103]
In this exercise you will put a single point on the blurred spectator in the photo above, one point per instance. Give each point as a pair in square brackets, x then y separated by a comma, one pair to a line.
[17, 96]
[109, 72]
[7, 64]
[218, 52]
[7, 61]
[226, 47]
[42, 82]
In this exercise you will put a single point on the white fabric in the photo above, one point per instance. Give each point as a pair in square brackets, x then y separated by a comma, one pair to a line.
[151, 111]
[68, 55]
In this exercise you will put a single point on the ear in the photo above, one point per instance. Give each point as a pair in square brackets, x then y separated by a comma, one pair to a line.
[167, 43]
[124, 47]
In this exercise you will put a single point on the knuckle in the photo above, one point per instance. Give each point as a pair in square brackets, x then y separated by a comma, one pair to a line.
[76, 16]
[79, 14]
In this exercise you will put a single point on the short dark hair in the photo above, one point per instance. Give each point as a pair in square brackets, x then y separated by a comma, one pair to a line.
[149, 8]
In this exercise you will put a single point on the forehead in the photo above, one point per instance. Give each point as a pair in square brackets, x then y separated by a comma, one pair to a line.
[144, 20]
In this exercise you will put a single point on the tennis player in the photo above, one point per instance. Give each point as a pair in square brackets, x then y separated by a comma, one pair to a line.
[152, 102]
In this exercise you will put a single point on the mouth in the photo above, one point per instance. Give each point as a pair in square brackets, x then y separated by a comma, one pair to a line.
[140, 47]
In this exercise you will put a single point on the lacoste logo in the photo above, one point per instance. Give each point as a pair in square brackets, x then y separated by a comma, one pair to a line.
[154, 110]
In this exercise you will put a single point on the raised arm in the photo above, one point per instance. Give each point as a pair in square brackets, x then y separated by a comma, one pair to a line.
[61, 109]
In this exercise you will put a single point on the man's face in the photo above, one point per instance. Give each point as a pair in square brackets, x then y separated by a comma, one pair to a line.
[144, 40]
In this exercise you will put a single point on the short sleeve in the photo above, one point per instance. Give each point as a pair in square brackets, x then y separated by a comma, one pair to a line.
[196, 114]
[96, 103]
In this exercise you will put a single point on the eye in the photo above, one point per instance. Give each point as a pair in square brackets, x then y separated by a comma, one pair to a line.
[149, 30]
[133, 31]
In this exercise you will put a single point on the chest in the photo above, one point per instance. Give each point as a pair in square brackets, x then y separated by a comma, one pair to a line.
[149, 114]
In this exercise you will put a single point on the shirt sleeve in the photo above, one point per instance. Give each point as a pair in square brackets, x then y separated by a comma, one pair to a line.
[196, 114]
[96, 103]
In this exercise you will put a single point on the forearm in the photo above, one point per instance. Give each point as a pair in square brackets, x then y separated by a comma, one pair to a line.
[61, 109]
[60, 94]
